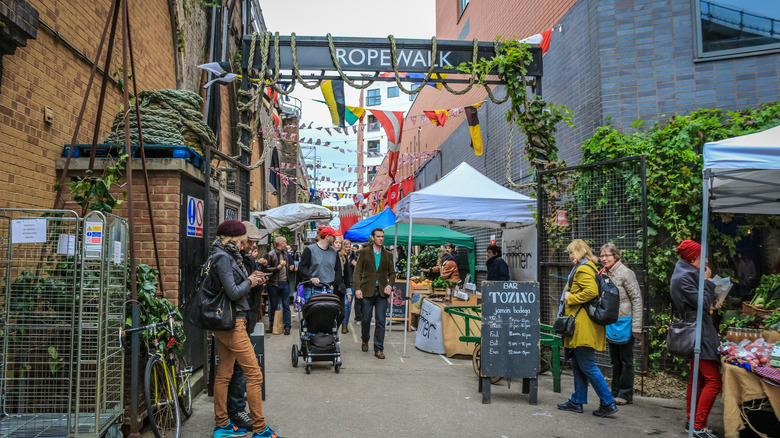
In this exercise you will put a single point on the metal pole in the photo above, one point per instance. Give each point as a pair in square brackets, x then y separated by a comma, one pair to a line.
[395, 261]
[700, 301]
[408, 257]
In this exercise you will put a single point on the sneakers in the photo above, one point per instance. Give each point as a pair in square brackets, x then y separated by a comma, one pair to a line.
[344, 329]
[267, 433]
[357, 322]
[228, 431]
[703, 433]
[570, 406]
[603, 411]
[242, 420]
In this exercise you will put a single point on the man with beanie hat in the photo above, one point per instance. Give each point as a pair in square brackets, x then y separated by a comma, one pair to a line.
[685, 294]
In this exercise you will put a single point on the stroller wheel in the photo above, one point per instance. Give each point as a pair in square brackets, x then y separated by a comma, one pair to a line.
[294, 356]
[308, 369]
[337, 368]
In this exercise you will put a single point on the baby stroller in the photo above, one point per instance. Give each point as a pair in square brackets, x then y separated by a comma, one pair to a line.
[319, 316]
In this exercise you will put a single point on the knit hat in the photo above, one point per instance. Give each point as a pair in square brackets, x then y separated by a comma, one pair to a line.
[689, 250]
[231, 228]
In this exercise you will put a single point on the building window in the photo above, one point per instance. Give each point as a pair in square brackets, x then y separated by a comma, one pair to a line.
[373, 124]
[373, 145]
[374, 97]
[728, 28]
[462, 6]
[371, 175]
[392, 92]
[412, 97]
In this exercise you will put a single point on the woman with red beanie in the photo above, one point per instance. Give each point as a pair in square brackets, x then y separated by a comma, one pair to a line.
[685, 292]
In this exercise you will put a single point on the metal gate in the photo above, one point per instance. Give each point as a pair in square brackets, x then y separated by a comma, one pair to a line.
[599, 203]
[63, 281]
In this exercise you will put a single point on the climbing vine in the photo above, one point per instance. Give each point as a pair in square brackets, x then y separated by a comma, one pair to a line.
[533, 116]
[93, 192]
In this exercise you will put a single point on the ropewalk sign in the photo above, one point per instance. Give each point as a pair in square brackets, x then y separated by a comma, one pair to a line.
[376, 55]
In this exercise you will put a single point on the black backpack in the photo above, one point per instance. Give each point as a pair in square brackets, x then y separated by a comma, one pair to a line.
[605, 308]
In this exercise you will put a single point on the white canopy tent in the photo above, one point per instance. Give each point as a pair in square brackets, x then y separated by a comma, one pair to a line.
[740, 175]
[292, 216]
[463, 197]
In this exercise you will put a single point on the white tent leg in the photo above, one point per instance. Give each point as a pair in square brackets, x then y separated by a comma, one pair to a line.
[700, 305]
[408, 275]
[395, 261]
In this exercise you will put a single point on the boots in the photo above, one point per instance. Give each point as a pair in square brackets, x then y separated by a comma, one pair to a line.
[344, 329]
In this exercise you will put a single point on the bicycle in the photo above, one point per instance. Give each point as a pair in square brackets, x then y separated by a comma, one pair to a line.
[167, 385]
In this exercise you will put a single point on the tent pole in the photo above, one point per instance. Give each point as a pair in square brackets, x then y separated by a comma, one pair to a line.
[408, 272]
[395, 260]
[700, 304]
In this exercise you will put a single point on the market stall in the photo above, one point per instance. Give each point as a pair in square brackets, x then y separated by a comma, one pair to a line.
[741, 175]
[361, 231]
[292, 216]
[463, 197]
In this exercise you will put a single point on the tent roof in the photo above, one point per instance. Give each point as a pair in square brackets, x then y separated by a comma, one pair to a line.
[465, 197]
[361, 230]
[745, 173]
[428, 235]
[292, 216]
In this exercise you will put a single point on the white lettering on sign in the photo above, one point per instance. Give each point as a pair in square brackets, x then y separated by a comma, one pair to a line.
[340, 54]
[512, 297]
[372, 54]
[359, 52]
[385, 59]
[406, 58]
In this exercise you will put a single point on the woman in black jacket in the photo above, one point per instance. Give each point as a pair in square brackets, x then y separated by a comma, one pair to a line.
[229, 274]
[685, 292]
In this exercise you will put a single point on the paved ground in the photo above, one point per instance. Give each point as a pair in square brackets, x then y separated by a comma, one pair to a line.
[423, 394]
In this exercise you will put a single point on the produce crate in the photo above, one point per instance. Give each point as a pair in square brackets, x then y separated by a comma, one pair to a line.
[438, 291]
[749, 310]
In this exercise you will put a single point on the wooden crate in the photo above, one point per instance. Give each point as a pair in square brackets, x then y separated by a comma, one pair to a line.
[749, 310]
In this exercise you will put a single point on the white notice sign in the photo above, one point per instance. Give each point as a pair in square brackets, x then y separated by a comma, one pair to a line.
[117, 252]
[66, 244]
[519, 252]
[28, 231]
[429, 337]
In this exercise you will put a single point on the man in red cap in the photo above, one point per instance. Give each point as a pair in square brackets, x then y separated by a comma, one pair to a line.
[320, 263]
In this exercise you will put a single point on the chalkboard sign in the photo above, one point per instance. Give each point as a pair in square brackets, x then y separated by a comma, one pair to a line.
[510, 329]
[400, 303]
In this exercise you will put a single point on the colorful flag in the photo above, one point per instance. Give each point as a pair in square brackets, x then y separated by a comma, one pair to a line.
[393, 123]
[340, 113]
[473, 120]
[438, 117]
[407, 185]
[392, 195]
[542, 39]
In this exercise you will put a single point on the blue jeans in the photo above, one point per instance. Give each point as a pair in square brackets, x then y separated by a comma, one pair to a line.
[236, 402]
[279, 295]
[583, 366]
[348, 304]
[379, 305]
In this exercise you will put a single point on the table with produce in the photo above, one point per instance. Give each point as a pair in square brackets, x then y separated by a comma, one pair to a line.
[751, 358]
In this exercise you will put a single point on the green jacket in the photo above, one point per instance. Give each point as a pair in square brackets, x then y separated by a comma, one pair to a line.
[366, 275]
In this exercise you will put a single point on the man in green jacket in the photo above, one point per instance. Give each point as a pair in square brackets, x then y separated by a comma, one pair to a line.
[373, 280]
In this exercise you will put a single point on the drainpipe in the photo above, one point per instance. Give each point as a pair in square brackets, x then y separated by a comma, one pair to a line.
[175, 41]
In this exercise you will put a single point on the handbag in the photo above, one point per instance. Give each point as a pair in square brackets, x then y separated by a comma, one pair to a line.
[619, 333]
[681, 338]
[211, 310]
[564, 325]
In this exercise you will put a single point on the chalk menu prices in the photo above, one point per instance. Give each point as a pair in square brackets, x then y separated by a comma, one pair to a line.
[510, 329]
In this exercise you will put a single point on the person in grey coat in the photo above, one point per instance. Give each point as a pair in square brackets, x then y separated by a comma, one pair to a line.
[622, 355]
[685, 292]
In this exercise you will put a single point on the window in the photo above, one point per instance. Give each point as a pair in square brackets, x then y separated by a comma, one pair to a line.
[373, 145]
[392, 92]
[371, 175]
[374, 97]
[462, 6]
[373, 124]
[412, 97]
[728, 28]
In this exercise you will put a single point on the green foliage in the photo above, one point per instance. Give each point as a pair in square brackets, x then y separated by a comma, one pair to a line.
[442, 283]
[659, 359]
[93, 192]
[674, 179]
[534, 117]
[154, 309]
[427, 258]
[772, 319]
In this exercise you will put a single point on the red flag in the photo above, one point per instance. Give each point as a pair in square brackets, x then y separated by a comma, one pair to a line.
[393, 123]
[438, 117]
[543, 39]
[392, 195]
[407, 185]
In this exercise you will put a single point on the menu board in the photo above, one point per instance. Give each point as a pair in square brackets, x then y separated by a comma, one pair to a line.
[400, 303]
[510, 329]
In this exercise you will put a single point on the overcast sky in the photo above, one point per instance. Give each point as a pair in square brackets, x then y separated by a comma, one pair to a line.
[401, 18]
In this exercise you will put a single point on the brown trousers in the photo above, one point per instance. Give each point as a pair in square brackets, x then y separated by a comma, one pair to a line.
[234, 345]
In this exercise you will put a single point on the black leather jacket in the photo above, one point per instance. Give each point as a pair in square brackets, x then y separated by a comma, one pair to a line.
[226, 271]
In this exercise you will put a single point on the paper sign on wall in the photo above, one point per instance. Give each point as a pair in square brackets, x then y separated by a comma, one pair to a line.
[66, 244]
[28, 231]
[519, 252]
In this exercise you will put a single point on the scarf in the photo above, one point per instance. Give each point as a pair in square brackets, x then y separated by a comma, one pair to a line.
[232, 248]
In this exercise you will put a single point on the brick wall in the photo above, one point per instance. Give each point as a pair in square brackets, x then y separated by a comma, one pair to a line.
[47, 73]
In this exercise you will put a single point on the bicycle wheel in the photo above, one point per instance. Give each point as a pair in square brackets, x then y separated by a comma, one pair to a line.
[161, 401]
[476, 363]
[183, 375]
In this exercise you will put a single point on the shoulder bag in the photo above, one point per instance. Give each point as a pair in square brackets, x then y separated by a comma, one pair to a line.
[564, 325]
[619, 333]
[681, 337]
[212, 309]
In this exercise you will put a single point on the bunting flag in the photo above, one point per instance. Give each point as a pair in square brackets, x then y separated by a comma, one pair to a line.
[542, 39]
[476, 134]
[393, 123]
[437, 117]
[341, 115]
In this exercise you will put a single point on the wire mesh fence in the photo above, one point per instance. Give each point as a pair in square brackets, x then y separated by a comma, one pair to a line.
[599, 203]
[62, 286]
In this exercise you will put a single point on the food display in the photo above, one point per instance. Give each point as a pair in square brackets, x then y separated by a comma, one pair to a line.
[748, 354]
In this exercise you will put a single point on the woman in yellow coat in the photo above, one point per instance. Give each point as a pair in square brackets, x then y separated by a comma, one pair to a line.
[588, 336]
